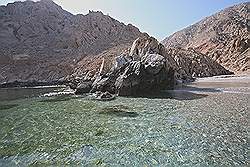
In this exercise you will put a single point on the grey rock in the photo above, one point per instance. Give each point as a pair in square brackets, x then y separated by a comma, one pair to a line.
[149, 67]
[84, 87]
[153, 63]
[104, 96]
[142, 75]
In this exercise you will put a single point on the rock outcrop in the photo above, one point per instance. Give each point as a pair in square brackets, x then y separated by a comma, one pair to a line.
[149, 67]
[191, 64]
[138, 71]
[137, 77]
[40, 41]
[224, 37]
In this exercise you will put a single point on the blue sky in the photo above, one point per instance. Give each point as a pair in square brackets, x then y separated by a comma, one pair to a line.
[159, 18]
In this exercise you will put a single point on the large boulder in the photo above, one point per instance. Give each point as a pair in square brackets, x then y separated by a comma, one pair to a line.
[122, 60]
[144, 70]
[137, 79]
[142, 46]
[104, 96]
[153, 63]
[134, 78]
[84, 87]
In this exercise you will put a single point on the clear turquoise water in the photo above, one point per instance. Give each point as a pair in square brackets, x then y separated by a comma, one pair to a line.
[205, 127]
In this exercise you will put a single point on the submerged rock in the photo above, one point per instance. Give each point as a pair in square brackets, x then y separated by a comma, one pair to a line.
[119, 111]
[83, 87]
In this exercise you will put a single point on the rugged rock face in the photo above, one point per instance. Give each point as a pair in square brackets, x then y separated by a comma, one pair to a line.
[138, 71]
[191, 64]
[149, 67]
[224, 37]
[41, 41]
[137, 77]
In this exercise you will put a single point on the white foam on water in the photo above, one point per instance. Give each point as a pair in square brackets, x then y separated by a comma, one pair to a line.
[66, 92]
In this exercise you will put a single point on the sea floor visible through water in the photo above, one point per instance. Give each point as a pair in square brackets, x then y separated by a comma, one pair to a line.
[201, 124]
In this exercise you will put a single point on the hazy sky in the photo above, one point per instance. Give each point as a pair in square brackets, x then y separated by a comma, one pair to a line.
[159, 18]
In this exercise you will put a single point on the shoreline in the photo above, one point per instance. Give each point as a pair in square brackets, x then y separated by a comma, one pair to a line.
[200, 82]
[229, 80]
[32, 84]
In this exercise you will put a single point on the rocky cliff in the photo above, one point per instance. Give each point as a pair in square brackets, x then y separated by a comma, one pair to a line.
[147, 67]
[224, 37]
[41, 41]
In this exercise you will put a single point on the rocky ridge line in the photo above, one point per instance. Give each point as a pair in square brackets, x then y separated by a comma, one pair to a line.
[41, 41]
[147, 67]
[224, 37]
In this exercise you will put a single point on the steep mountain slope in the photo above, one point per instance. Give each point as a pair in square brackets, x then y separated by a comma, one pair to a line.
[224, 37]
[41, 41]
[192, 64]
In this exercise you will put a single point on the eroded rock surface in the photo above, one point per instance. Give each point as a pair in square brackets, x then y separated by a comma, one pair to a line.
[40, 41]
[191, 64]
[224, 37]
[149, 67]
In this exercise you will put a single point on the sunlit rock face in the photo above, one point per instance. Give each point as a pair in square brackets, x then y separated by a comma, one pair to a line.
[224, 37]
[133, 80]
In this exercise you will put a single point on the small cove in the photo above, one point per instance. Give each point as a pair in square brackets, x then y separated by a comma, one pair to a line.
[195, 125]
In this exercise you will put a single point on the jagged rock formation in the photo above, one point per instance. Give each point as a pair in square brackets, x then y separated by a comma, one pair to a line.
[147, 67]
[192, 64]
[139, 72]
[41, 41]
[224, 37]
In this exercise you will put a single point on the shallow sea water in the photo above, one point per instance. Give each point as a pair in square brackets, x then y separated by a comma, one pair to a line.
[192, 126]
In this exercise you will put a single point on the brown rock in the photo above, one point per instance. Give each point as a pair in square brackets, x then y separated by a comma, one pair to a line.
[224, 37]
[54, 39]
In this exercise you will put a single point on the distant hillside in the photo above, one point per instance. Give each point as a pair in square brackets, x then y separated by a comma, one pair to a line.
[41, 41]
[223, 36]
